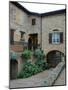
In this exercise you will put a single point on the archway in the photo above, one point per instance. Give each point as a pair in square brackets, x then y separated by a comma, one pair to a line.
[54, 57]
[13, 69]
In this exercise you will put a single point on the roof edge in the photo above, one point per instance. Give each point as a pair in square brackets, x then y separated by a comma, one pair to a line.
[37, 14]
[54, 12]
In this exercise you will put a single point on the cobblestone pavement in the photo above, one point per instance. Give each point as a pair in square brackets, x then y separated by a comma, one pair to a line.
[61, 79]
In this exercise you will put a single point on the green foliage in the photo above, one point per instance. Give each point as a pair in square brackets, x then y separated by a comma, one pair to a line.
[26, 54]
[28, 70]
[42, 64]
[39, 54]
[23, 74]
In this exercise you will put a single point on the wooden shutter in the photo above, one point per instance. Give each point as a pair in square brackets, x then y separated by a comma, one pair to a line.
[61, 37]
[11, 36]
[50, 37]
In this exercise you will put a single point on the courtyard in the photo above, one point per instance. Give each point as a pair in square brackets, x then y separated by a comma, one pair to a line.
[41, 79]
[37, 47]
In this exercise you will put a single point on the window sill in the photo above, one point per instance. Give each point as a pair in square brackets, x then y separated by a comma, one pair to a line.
[55, 43]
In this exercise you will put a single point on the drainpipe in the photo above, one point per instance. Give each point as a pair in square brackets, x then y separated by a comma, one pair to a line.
[41, 32]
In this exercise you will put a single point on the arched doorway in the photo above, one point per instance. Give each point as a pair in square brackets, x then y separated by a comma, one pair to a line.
[13, 69]
[54, 57]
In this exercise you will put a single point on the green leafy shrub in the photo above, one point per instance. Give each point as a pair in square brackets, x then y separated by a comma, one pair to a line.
[28, 70]
[26, 54]
[39, 54]
[42, 64]
[23, 74]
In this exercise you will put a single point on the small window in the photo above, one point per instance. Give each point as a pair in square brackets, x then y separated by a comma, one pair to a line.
[22, 35]
[56, 37]
[33, 21]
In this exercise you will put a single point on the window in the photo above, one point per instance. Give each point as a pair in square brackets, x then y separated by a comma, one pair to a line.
[33, 21]
[56, 37]
[22, 35]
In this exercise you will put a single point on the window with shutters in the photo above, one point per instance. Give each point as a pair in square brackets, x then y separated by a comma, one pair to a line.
[33, 21]
[56, 37]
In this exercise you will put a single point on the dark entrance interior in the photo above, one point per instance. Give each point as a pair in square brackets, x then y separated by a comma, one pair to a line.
[33, 41]
[53, 58]
[13, 69]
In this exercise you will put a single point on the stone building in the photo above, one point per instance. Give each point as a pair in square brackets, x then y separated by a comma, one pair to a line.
[32, 30]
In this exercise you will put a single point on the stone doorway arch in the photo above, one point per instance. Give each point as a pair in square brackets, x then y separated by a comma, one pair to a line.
[54, 57]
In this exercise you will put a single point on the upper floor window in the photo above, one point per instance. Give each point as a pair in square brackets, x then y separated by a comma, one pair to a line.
[56, 37]
[33, 21]
[22, 35]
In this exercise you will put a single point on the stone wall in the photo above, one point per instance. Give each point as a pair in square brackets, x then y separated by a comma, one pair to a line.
[49, 81]
[21, 21]
[17, 48]
[49, 23]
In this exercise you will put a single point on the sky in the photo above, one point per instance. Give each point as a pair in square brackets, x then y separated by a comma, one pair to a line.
[42, 8]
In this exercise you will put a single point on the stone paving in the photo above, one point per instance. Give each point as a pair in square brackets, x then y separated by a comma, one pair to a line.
[31, 81]
[61, 79]
[38, 79]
